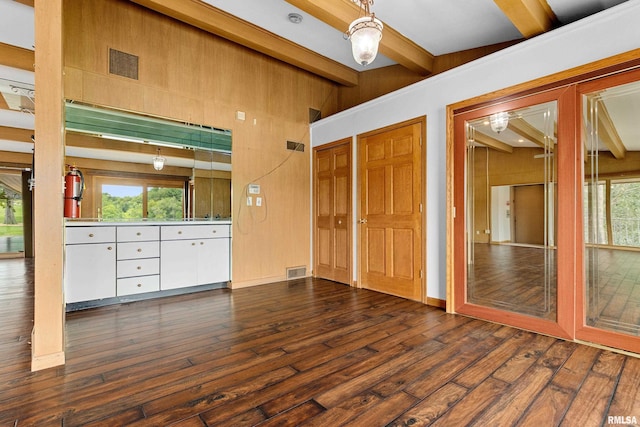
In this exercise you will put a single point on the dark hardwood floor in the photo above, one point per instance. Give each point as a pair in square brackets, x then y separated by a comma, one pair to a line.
[303, 352]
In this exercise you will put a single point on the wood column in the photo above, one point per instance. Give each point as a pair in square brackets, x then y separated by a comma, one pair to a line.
[48, 331]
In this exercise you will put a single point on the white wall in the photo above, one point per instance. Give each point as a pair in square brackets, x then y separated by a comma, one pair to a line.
[599, 36]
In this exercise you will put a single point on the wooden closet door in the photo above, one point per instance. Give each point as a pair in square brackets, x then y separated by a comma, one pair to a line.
[332, 194]
[390, 174]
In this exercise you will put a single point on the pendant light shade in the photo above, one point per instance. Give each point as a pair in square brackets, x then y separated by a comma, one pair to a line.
[365, 34]
[499, 121]
[158, 161]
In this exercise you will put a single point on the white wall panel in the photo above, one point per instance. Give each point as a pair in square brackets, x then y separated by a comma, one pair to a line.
[599, 36]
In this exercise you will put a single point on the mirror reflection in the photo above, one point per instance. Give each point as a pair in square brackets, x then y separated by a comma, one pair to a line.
[127, 167]
[612, 207]
[511, 210]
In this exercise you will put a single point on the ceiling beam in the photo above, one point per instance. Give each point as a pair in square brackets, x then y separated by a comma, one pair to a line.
[17, 57]
[26, 2]
[15, 159]
[530, 17]
[225, 25]
[15, 134]
[608, 134]
[339, 14]
[484, 139]
[529, 132]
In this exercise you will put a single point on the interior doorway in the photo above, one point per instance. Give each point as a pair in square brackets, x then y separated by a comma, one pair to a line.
[333, 212]
[391, 175]
[12, 243]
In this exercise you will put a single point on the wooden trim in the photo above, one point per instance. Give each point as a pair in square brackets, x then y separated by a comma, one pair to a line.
[208, 18]
[579, 74]
[435, 302]
[340, 14]
[530, 17]
[17, 57]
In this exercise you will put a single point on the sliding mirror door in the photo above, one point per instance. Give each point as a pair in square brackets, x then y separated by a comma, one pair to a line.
[507, 163]
[609, 304]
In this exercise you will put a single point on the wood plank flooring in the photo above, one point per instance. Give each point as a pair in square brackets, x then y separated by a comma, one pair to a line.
[304, 352]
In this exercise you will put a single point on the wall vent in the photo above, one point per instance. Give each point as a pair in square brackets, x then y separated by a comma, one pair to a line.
[295, 146]
[296, 272]
[123, 64]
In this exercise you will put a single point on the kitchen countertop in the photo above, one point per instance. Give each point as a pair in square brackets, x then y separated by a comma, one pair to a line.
[98, 223]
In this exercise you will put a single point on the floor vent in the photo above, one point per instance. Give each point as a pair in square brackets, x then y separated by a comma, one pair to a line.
[296, 272]
[295, 146]
[123, 64]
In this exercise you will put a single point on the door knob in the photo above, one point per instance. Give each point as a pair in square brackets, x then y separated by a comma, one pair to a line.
[362, 220]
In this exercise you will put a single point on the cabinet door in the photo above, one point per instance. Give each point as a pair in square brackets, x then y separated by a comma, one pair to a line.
[90, 272]
[213, 261]
[178, 264]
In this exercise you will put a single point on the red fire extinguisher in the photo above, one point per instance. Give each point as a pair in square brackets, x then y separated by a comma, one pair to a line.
[73, 191]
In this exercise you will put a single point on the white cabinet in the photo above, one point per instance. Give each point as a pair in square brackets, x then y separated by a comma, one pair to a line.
[138, 260]
[179, 265]
[193, 255]
[105, 261]
[90, 264]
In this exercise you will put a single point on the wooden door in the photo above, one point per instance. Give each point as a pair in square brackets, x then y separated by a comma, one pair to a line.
[528, 214]
[390, 174]
[333, 214]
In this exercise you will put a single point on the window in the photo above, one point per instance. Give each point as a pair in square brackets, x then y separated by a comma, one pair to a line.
[134, 199]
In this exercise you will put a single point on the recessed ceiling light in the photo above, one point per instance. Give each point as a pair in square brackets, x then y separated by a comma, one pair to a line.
[295, 18]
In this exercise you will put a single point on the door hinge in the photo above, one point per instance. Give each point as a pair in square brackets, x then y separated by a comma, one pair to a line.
[420, 138]
[421, 274]
[420, 207]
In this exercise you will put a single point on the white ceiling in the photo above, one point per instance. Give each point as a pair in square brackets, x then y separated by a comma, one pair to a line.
[438, 26]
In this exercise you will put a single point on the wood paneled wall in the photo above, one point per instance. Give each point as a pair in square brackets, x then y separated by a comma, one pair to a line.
[380, 81]
[189, 75]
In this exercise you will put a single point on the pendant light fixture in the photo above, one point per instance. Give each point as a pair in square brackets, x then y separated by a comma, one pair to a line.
[158, 161]
[499, 121]
[365, 34]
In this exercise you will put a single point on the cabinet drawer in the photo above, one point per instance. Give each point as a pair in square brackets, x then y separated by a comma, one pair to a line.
[134, 250]
[138, 267]
[138, 234]
[80, 235]
[179, 232]
[138, 285]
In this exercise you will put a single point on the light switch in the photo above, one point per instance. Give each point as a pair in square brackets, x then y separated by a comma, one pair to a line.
[249, 201]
